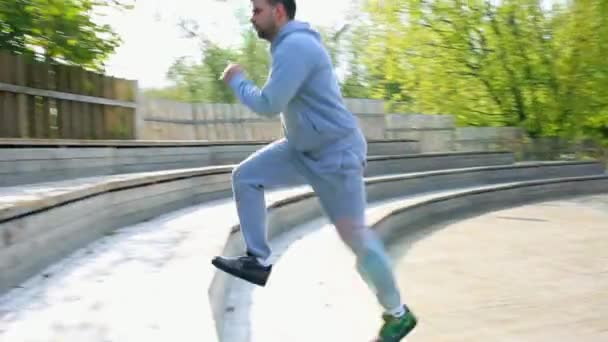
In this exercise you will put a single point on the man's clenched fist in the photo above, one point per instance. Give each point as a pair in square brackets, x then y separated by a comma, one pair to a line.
[231, 70]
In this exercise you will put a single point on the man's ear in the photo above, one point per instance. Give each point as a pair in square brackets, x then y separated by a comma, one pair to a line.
[280, 8]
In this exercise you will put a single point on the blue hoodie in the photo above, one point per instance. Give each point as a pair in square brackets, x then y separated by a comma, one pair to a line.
[303, 88]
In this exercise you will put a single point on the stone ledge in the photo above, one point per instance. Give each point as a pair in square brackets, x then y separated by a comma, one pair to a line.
[443, 154]
[22, 143]
[74, 143]
[413, 214]
[22, 200]
[27, 162]
[18, 201]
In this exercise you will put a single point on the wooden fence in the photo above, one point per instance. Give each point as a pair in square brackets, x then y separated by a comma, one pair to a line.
[172, 120]
[42, 100]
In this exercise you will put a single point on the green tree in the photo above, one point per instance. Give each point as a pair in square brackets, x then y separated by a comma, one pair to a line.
[508, 63]
[58, 30]
[512, 62]
[199, 81]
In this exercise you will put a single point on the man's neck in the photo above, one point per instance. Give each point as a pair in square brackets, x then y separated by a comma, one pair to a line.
[279, 28]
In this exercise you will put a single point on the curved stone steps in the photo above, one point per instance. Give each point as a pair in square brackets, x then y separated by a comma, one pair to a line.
[54, 218]
[200, 240]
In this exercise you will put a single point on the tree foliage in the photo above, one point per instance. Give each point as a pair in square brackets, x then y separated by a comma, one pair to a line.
[58, 30]
[197, 81]
[488, 63]
[511, 62]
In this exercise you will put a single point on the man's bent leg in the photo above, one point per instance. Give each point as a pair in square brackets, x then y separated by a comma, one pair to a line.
[268, 168]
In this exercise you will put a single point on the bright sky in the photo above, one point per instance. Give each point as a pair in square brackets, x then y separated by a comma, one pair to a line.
[152, 39]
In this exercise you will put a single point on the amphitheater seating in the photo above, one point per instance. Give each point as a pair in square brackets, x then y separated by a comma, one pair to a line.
[55, 199]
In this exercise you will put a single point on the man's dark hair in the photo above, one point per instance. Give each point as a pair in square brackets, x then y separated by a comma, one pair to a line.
[290, 6]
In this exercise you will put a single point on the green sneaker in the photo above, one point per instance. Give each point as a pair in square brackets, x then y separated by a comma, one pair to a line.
[396, 328]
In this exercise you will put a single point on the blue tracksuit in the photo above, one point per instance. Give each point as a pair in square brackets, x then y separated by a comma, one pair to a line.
[323, 146]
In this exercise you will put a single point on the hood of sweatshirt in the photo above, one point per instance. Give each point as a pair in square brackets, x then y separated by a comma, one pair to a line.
[291, 27]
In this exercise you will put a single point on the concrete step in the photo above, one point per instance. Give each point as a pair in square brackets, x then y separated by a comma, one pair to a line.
[35, 161]
[391, 164]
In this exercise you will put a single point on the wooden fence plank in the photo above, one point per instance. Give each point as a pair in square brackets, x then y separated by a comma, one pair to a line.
[38, 111]
[64, 107]
[77, 131]
[21, 100]
[7, 114]
[47, 100]
[85, 108]
[97, 109]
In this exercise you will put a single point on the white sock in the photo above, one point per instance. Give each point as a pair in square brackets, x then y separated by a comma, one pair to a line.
[397, 312]
[263, 262]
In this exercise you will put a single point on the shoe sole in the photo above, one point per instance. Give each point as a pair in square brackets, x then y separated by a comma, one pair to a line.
[254, 280]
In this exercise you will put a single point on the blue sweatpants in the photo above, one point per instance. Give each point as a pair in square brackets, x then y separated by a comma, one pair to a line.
[337, 179]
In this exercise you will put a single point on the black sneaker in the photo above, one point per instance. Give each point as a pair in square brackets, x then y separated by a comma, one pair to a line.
[245, 267]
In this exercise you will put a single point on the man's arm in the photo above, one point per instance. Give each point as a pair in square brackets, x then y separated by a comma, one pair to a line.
[291, 65]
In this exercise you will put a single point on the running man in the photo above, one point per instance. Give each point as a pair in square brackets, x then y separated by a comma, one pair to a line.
[323, 147]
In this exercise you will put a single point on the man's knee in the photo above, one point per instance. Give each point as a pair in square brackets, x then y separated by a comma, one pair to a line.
[239, 174]
[351, 231]
[247, 173]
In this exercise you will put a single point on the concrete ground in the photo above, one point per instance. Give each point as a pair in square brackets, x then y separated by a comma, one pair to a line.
[532, 273]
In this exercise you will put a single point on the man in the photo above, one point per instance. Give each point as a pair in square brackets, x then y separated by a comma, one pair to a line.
[323, 147]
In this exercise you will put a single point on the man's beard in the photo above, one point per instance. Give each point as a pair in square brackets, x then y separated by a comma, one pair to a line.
[264, 34]
[261, 34]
